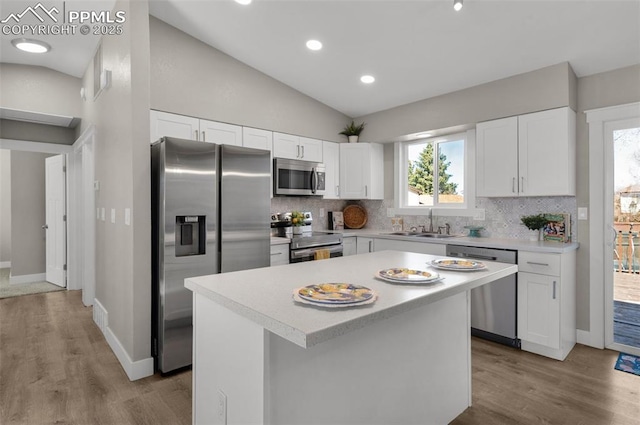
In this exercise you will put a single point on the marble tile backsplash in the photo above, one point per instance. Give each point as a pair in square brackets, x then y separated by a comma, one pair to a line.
[502, 215]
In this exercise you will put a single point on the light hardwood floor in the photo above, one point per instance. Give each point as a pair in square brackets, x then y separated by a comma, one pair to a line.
[55, 367]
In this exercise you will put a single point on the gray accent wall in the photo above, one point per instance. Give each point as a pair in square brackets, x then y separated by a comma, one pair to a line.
[191, 78]
[39, 89]
[5, 206]
[28, 239]
[32, 132]
[120, 115]
[546, 88]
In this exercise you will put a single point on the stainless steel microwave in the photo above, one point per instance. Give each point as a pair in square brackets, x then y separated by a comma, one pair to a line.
[296, 177]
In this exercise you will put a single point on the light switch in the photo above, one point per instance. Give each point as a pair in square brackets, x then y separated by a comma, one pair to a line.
[127, 216]
[583, 213]
[479, 214]
[113, 215]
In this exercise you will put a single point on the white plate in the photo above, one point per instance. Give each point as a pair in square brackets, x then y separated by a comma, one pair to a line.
[405, 275]
[458, 265]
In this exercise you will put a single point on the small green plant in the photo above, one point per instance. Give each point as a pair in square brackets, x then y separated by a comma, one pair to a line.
[353, 129]
[297, 218]
[534, 222]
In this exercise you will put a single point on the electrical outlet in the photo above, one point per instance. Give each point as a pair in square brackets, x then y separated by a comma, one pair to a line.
[222, 407]
[391, 212]
[479, 214]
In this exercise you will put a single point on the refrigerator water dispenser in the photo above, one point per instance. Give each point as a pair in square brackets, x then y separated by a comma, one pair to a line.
[190, 235]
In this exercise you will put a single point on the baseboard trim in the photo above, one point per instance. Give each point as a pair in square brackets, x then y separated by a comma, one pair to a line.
[134, 370]
[585, 338]
[27, 278]
[5, 264]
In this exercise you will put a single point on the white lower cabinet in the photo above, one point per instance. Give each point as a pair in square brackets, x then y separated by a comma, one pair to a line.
[409, 246]
[279, 254]
[365, 245]
[546, 303]
[349, 246]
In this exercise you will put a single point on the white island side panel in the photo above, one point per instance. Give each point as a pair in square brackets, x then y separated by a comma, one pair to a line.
[411, 368]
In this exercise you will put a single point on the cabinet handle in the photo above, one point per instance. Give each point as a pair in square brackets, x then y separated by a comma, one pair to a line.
[537, 264]
[302, 152]
[298, 152]
[337, 190]
[513, 185]
[204, 139]
[276, 253]
[370, 246]
[522, 184]
[554, 289]
[366, 191]
[197, 135]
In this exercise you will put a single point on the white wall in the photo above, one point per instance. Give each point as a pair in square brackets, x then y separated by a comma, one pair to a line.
[5, 207]
[123, 252]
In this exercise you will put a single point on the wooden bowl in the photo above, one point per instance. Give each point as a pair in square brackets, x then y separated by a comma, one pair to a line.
[355, 217]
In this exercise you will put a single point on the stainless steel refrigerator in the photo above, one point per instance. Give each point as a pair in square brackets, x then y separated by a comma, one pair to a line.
[210, 214]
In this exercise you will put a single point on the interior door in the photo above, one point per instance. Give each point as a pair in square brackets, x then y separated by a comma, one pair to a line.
[55, 220]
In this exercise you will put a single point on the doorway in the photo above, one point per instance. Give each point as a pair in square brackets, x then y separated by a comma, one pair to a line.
[624, 139]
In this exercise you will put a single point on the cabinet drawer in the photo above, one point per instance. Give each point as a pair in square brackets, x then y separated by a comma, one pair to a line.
[536, 262]
[279, 254]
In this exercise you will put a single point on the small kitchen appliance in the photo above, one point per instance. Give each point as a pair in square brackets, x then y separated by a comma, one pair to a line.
[296, 177]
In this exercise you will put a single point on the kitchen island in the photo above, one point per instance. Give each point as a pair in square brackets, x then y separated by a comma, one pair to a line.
[261, 358]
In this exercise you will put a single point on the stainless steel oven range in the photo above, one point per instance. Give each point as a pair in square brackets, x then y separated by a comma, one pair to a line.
[308, 245]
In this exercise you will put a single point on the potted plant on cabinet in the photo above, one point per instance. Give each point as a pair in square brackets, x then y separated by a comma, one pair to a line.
[352, 131]
[534, 222]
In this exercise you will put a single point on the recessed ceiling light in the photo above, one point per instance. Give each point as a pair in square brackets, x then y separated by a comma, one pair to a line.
[31, 46]
[367, 79]
[314, 45]
[457, 5]
[243, 2]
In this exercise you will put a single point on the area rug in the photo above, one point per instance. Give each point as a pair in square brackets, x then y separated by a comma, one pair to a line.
[628, 363]
[8, 290]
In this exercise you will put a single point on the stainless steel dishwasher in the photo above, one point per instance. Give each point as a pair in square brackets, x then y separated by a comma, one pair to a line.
[494, 314]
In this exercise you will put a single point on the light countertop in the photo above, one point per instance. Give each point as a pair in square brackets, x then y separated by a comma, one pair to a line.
[264, 295]
[513, 244]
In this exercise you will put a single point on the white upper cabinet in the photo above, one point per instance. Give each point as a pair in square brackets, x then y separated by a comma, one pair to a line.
[296, 147]
[331, 160]
[497, 157]
[183, 127]
[257, 139]
[164, 124]
[286, 146]
[311, 149]
[547, 153]
[361, 171]
[528, 155]
[220, 133]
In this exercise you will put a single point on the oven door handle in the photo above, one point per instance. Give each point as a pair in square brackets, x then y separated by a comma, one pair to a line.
[304, 253]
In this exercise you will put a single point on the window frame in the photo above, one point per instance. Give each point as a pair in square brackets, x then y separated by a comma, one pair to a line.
[467, 208]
